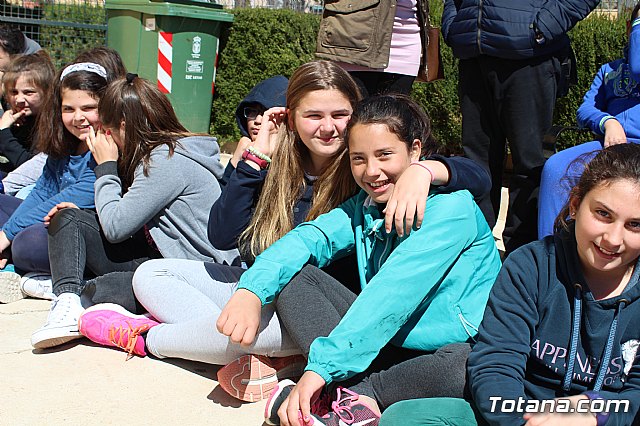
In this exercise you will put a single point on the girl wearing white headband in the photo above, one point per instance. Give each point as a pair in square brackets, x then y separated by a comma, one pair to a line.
[64, 122]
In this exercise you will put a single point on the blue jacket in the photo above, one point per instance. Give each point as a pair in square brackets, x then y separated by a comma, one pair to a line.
[615, 92]
[66, 179]
[524, 342]
[511, 29]
[420, 291]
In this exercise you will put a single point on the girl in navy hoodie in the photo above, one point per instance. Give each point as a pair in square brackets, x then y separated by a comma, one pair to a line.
[562, 326]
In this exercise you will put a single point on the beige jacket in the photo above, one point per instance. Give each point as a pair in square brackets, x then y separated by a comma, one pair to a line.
[359, 31]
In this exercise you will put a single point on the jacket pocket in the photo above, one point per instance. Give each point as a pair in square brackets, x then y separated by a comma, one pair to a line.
[470, 328]
[349, 24]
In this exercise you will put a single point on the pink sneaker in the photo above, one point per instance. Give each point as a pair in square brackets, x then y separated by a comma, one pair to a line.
[347, 410]
[112, 325]
[252, 378]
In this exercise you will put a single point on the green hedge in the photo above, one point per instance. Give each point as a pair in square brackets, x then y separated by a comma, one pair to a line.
[64, 43]
[263, 42]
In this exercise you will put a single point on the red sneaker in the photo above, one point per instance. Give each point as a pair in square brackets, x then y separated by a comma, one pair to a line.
[252, 378]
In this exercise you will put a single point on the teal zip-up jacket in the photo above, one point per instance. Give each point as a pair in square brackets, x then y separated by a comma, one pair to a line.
[420, 291]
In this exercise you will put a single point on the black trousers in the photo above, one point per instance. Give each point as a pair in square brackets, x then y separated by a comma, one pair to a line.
[509, 100]
[313, 304]
[78, 246]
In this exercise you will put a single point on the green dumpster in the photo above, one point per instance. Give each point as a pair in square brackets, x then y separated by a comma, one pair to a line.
[174, 44]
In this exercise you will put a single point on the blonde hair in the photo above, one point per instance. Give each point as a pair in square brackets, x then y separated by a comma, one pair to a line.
[273, 216]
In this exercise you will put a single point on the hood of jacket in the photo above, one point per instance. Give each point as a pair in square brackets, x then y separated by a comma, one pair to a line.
[204, 150]
[268, 93]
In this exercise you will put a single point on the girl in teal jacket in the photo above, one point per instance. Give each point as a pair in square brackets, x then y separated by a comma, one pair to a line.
[419, 292]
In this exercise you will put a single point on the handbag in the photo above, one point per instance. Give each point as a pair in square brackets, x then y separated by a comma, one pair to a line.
[435, 67]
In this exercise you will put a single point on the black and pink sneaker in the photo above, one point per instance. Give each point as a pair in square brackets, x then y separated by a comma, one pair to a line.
[347, 410]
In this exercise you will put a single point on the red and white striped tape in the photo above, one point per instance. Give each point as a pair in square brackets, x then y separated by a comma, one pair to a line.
[165, 59]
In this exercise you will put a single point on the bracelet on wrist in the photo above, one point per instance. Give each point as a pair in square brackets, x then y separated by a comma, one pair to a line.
[248, 155]
[417, 163]
[259, 154]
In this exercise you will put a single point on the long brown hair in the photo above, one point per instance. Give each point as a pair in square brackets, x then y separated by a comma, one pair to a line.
[149, 118]
[613, 163]
[52, 137]
[273, 216]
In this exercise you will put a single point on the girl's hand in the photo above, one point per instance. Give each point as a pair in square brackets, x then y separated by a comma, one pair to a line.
[4, 245]
[267, 137]
[409, 196]
[56, 209]
[296, 409]
[562, 419]
[613, 133]
[102, 146]
[9, 118]
[240, 318]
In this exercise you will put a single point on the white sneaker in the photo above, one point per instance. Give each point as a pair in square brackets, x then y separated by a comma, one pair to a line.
[62, 323]
[37, 285]
[10, 287]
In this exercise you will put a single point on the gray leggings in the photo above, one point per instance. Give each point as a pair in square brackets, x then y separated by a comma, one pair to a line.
[184, 297]
[313, 304]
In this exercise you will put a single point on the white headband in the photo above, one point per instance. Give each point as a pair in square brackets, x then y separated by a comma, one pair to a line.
[84, 66]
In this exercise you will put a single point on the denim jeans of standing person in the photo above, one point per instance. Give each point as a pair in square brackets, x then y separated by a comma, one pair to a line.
[29, 247]
[499, 105]
[77, 246]
[313, 304]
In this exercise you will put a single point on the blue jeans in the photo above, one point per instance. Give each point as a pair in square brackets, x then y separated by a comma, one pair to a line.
[29, 251]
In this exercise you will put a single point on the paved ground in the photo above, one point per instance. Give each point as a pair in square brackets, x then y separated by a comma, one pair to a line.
[83, 384]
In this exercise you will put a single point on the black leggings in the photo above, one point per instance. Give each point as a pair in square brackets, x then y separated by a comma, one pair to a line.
[313, 304]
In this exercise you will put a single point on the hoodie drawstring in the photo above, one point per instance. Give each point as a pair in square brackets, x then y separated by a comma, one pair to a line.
[575, 334]
[606, 357]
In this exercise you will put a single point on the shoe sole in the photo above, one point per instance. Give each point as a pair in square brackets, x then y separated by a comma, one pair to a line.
[50, 342]
[10, 287]
[36, 276]
[252, 378]
[270, 418]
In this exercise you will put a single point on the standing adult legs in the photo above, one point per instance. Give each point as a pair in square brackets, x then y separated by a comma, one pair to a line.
[375, 83]
[529, 95]
[482, 138]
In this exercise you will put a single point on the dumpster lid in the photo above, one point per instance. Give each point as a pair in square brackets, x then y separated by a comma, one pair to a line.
[197, 9]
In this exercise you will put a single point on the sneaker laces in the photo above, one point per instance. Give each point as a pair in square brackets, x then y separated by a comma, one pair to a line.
[118, 335]
[342, 405]
[61, 309]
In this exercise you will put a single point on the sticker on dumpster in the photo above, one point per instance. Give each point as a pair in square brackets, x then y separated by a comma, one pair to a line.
[195, 67]
[196, 45]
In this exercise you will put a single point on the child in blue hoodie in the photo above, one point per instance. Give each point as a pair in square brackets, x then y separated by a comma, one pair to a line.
[420, 291]
[562, 326]
[611, 110]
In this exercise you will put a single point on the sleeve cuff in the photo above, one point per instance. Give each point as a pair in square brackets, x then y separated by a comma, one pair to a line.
[106, 168]
[604, 120]
[320, 372]
[635, 22]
